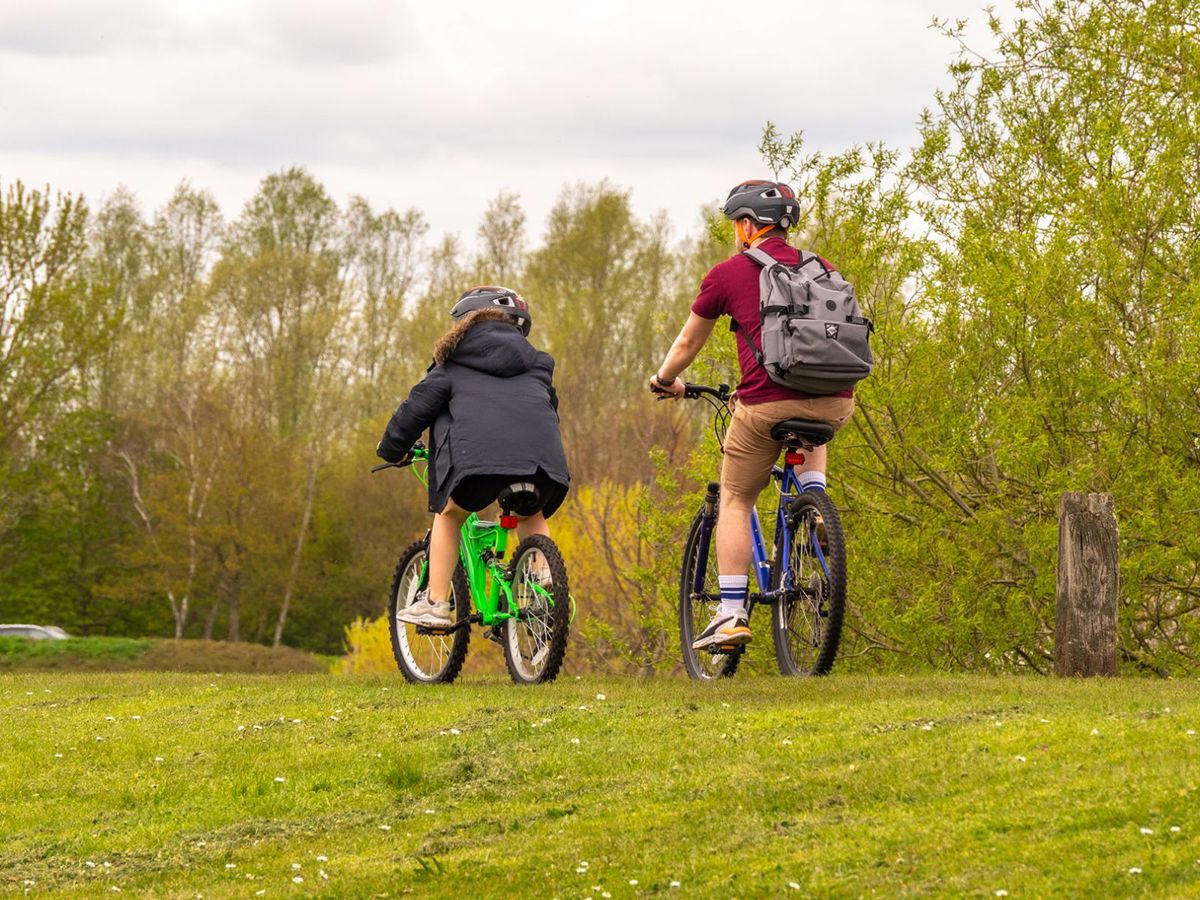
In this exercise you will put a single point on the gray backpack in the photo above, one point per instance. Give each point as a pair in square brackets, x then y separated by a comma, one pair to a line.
[814, 336]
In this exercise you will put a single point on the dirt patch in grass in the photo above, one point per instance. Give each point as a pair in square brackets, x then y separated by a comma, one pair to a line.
[129, 655]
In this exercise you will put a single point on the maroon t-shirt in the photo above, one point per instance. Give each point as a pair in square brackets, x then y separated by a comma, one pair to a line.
[731, 289]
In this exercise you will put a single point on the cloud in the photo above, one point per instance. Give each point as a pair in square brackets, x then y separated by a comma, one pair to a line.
[518, 94]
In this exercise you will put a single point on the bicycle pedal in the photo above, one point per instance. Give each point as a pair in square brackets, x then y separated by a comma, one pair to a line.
[493, 634]
[440, 631]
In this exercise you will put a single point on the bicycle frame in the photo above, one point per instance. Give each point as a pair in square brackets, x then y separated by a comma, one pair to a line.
[482, 547]
[789, 486]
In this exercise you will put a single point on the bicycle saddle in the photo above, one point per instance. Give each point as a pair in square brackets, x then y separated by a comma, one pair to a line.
[802, 433]
[520, 499]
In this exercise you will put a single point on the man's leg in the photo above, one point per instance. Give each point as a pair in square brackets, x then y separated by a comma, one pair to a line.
[745, 471]
[811, 473]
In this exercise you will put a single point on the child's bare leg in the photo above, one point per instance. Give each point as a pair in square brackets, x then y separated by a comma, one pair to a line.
[535, 524]
[531, 525]
[443, 550]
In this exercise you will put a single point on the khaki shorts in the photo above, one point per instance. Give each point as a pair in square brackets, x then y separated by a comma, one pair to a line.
[749, 450]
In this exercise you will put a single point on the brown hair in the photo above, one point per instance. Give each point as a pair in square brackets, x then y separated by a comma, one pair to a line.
[447, 343]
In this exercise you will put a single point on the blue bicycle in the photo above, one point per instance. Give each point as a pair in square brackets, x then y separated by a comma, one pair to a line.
[804, 582]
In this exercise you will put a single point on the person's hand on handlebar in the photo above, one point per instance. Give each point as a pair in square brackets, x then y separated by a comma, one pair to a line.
[671, 390]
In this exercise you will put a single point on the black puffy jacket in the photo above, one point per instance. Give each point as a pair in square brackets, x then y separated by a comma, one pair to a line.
[490, 406]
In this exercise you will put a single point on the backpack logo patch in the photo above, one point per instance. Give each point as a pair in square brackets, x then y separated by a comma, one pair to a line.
[831, 330]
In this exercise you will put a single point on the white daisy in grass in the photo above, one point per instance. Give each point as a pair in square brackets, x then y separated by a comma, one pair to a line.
[1001, 892]
[633, 882]
[136, 718]
[601, 697]
[279, 779]
[385, 827]
[1020, 759]
[296, 866]
[794, 885]
[322, 875]
[231, 865]
[574, 740]
[298, 879]
[322, 859]
[109, 719]
[1145, 830]
[1175, 829]
[787, 742]
[1136, 870]
[675, 884]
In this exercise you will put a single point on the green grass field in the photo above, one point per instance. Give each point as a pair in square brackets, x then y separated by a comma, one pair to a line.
[243, 786]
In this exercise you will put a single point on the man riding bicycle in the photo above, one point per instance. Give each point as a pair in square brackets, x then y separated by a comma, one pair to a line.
[761, 212]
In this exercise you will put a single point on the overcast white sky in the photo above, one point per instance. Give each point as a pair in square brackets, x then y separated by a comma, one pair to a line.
[442, 105]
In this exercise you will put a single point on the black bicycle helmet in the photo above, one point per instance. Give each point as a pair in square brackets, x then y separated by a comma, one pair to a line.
[766, 202]
[491, 295]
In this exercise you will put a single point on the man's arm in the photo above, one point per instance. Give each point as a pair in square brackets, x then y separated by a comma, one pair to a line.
[691, 338]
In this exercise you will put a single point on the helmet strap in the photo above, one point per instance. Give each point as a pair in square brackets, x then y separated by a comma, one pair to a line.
[748, 240]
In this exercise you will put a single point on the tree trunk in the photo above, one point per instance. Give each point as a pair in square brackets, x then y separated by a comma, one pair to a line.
[211, 620]
[232, 600]
[1085, 634]
[294, 573]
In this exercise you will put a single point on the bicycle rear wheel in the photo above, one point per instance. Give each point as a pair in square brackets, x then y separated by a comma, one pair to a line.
[427, 658]
[536, 643]
[807, 623]
[696, 610]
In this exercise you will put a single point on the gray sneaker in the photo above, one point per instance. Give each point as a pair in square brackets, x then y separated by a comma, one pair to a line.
[424, 612]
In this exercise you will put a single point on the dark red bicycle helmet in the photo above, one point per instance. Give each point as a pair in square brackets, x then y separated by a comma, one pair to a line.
[766, 202]
[487, 296]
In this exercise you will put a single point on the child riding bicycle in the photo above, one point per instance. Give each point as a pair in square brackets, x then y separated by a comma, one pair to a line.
[762, 212]
[486, 379]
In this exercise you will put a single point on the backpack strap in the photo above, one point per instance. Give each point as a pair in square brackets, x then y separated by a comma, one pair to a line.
[760, 256]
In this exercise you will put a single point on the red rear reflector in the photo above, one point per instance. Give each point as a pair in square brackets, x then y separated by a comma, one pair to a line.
[508, 522]
[794, 459]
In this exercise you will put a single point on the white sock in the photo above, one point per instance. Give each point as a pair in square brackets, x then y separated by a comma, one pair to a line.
[811, 480]
[733, 594]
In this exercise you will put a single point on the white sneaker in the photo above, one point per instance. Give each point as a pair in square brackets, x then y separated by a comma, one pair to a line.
[724, 631]
[424, 612]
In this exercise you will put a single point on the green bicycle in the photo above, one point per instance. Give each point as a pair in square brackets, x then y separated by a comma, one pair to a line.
[525, 605]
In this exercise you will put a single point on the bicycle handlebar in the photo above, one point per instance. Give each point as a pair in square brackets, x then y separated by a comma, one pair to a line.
[695, 391]
[417, 452]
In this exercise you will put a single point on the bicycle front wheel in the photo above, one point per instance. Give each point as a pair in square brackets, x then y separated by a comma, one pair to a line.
[426, 658]
[807, 622]
[697, 608]
[536, 642]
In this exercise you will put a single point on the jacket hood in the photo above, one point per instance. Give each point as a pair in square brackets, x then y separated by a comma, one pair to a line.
[489, 342]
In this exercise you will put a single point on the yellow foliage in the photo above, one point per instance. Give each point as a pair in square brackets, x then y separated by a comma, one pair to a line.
[369, 643]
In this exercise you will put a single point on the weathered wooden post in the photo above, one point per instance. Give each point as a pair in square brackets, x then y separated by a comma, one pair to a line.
[1085, 631]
